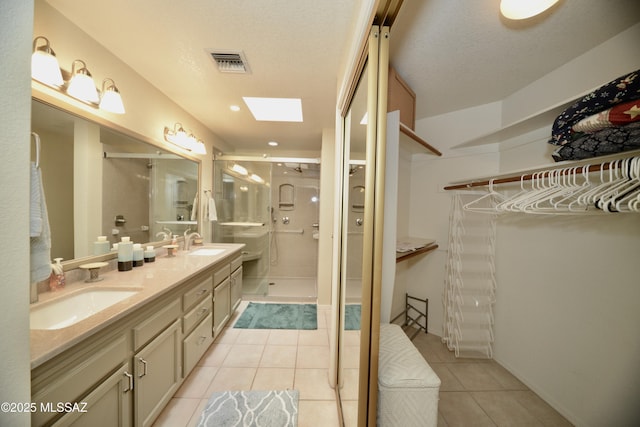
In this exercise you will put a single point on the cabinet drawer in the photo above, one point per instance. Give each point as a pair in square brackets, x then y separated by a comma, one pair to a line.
[197, 292]
[75, 383]
[153, 325]
[194, 317]
[236, 263]
[196, 344]
[220, 274]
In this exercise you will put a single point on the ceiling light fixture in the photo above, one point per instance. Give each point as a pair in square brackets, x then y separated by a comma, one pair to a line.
[273, 143]
[234, 108]
[111, 100]
[81, 84]
[178, 136]
[275, 109]
[523, 9]
[44, 64]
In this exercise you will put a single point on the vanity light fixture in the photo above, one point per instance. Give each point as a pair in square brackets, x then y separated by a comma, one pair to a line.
[178, 136]
[44, 64]
[256, 178]
[111, 100]
[81, 84]
[239, 169]
[523, 9]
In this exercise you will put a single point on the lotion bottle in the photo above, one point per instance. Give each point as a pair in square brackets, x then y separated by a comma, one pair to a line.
[138, 255]
[125, 254]
[149, 254]
[101, 246]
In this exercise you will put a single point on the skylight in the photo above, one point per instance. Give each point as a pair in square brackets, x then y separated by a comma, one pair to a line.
[275, 109]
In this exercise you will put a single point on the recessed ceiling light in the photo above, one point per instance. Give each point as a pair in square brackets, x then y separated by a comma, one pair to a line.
[275, 109]
[234, 108]
[272, 143]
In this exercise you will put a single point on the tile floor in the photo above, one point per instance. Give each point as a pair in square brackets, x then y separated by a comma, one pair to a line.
[480, 392]
[474, 392]
[260, 359]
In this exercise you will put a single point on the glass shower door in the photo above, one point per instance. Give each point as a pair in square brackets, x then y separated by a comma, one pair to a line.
[242, 196]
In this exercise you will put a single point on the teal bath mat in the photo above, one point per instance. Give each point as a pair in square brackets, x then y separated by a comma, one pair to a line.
[352, 317]
[278, 316]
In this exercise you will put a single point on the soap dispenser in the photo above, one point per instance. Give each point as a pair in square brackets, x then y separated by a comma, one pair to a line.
[57, 279]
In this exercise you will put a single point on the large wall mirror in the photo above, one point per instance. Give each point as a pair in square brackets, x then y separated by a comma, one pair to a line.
[361, 236]
[101, 182]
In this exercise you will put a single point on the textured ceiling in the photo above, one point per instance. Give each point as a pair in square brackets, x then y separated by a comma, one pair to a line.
[458, 54]
[453, 53]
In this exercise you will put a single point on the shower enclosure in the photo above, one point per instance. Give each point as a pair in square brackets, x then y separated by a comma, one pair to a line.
[271, 207]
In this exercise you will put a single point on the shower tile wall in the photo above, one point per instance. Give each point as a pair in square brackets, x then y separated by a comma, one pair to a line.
[295, 255]
[125, 180]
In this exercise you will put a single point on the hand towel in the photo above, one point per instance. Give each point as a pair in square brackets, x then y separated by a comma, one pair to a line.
[40, 244]
[213, 214]
[35, 203]
[194, 209]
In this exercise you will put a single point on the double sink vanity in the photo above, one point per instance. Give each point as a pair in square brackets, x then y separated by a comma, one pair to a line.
[115, 351]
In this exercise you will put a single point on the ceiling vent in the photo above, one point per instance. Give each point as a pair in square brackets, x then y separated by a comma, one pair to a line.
[229, 61]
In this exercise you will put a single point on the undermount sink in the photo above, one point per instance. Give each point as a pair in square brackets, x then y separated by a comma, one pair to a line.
[66, 311]
[207, 251]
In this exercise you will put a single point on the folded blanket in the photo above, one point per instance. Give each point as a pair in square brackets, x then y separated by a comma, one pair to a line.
[622, 89]
[606, 141]
[619, 115]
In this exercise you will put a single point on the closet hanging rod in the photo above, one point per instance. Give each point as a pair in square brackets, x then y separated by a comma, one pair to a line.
[529, 176]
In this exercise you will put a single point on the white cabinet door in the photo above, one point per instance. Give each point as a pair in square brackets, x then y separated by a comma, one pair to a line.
[221, 306]
[157, 374]
[108, 405]
[236, 288]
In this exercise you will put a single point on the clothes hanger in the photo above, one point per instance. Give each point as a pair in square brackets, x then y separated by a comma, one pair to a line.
[490, 196]
[620, 187]
[622, 203]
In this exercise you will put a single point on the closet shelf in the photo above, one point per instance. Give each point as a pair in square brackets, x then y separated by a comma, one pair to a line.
[423, 144]
[403, 256]
[535, 121]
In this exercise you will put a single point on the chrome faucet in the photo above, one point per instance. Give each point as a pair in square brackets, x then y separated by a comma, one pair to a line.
[162, 234]
[188, 239]
[166, 233]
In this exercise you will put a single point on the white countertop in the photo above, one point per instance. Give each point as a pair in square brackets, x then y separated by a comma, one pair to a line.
[153, 279]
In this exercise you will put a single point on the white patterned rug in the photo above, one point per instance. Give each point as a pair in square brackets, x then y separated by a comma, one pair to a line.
[251, 409]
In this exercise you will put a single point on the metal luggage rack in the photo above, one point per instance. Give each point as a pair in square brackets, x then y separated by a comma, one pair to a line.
[413, 315]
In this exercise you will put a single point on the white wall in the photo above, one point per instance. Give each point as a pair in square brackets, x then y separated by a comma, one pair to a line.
[567, 300]
[325, 241]
[566, 311]
[429, 203]
[16, 23]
